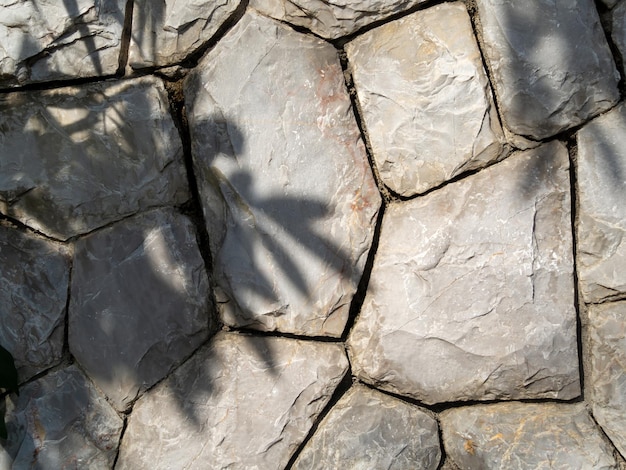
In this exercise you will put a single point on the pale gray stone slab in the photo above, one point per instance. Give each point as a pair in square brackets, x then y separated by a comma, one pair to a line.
[287, 191]
[166, 32]
[471, 296]
[425, 98]
[542, 86]
[601, 175]
[525, 436]
[34, 277]
[139, 303]
[43, 40]
[76, 158]
[332, 19]
[367, 429]
[607, 331]
[241, 402]
[60, 421]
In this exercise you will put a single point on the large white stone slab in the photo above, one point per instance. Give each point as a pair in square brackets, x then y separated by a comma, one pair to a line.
[601, 175]
[166, 32]
[332, 19]
[425, 98]
[551, 65]
[287, 191]
[43, 40]
[241, 402]
[472, 295]
[607, 331]
[77, 158]
[524, 435]
[139, 302]
[34, 277]
[368, 429]
[60, 421]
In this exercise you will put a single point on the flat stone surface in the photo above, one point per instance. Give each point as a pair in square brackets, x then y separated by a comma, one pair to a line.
[288, 194]
[542, 86]
[166, 32]
[42, 40]
[34, 278]
[367, 429]
[601, 174]
[242, 402]
[425, 98]
[139, 304]
[524, 435]
[74, 159]
[60, 421]
[480, 304]
[332, 19]
[618, 30]
[607, 327]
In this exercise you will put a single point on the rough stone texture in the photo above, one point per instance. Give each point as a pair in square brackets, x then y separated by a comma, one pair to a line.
[480, 304]
[601, 189]
[76, 158]
[542, 86]
[166, 32]
[288, 194]
[332, 19]
[367, 429]
[425, 98]
[42, 40]
[139, 302]
[60, 421]
[618, 30]
[242, 402]
[517, 435]
[34, 278]
[607, 326]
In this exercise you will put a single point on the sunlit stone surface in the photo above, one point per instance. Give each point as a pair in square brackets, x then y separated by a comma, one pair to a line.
[242, 402]
[480, 304]
[552, 67]
[425, 98]
[74, 159]
[140, 302]
[288, 195]
[42, 40]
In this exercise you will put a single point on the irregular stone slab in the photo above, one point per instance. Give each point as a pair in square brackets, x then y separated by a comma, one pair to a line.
[541, 86]
[241, 402]
[367, 429]
[60, 421]
[77, 158]
[44, 40]
[607, 327]
[34, 279]
[166, 32]
[425, 98]
[335, 19]
[139, 302]
[618, 30]
[602, 222]
[288, 195]
[524, 435]
[480, 304]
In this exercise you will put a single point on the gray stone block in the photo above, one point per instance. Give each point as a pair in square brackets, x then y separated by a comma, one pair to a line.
[524, 436]
[77, 158]
[34, 277]
[241, 402]
[139, 303]
[287, 191]
[425, 98]
[551, 66]
[472, 296]
[367, 429]
[43, 40]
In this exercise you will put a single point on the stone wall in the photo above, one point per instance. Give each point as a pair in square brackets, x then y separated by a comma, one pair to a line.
[310, 234]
